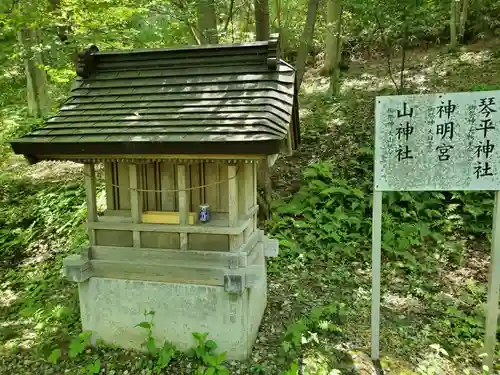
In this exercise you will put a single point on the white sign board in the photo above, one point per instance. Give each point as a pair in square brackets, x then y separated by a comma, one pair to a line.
[438, 142]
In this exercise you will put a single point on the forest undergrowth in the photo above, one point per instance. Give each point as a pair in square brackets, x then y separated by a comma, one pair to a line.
[435, 246]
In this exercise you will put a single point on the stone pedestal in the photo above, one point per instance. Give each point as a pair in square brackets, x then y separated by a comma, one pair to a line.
[111, 308]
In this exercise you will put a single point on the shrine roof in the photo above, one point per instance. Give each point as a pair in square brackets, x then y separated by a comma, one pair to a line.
[217, 99]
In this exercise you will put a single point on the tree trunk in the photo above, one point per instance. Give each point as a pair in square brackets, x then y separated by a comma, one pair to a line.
[306, 40]
[62, 31]
[36, 77]
[278, 15]
[463, 19]
[261, 19]
[453, 25]
[207, 22]
[247, 18]
[333, 44]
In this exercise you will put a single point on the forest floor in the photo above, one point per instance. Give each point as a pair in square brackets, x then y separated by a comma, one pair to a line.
[319, 296]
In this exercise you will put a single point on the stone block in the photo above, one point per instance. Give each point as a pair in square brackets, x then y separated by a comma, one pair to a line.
[76, 268]
[112, 307]
[271, 247]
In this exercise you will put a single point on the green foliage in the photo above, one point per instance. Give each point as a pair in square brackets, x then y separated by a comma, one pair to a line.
[324, 229]
[332, 215]
[209, 363]
[326, 320]
[29, 211]
[292, 370]
[484, 87]
[78, 344]
[76, 349]
[160, 357]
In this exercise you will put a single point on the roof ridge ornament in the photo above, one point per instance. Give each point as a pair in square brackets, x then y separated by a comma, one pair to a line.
[273, 51]
[86, 62]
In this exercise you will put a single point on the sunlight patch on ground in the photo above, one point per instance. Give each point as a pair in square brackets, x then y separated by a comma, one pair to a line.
[8, 297]
[316, 84]
[365, 83]
[475, 57]
[420, 80]
[475, 269]
[404, 304]
[25, 334]
[304, 112]
[392, 365]
[44, 170]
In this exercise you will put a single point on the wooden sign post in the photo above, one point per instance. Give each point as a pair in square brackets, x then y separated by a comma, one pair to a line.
[441, 142]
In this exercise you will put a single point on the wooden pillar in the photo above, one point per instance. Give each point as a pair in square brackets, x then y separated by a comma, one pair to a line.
[135, 203]
[110, 193]
[232, 171]
[248, 197]
[183, 204]
[91, 192]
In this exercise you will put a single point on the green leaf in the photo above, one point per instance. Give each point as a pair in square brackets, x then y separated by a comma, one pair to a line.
[210, 371]
[76, 347]
[54, 356]
[286, 345]
[151, 345]
[211, 360]
[222, 357]
[222, 371]
[145, 325]
[96, 367]
[210, 344]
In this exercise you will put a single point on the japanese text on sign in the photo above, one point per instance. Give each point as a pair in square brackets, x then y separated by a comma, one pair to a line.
[438, 142]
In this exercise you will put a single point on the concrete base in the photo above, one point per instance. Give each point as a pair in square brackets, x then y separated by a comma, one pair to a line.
[112, 307]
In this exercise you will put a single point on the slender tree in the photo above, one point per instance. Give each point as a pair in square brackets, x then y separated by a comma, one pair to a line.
[453, 24]
[36, 77]
[28, 38]
[261, 19]
[463, 19]
[333, 43]
[207, 22]
[306, 40]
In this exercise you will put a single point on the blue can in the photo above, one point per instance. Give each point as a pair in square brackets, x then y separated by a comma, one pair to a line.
[204, 213]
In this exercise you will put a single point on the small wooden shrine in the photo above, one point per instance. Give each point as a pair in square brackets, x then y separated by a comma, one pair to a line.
[180, 134]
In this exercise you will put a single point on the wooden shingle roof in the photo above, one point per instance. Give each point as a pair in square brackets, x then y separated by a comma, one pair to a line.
[221, 99]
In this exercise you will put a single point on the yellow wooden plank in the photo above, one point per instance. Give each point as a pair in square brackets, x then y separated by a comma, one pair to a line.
[166, 217]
